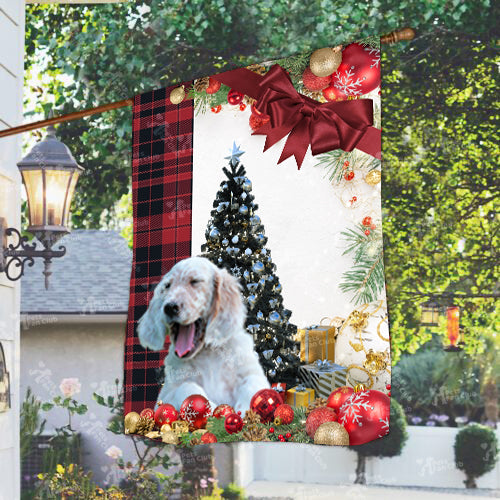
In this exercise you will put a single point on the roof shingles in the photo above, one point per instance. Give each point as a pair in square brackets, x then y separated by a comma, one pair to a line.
[92, 278]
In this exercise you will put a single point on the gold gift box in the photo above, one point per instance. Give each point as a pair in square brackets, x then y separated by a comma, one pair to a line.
[317, 342]
[299, 396]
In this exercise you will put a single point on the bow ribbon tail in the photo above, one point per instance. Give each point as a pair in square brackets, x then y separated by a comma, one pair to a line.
[297, 142]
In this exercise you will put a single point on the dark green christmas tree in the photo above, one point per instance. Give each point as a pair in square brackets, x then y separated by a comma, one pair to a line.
[236, 241]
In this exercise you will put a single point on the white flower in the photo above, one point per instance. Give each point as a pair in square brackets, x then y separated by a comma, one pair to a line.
[114, 452]
[70, 386]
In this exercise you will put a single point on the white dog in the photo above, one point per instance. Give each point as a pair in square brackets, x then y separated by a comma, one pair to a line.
[200, 307]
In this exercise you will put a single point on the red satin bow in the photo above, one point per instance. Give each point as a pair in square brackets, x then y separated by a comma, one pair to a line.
[324, 126]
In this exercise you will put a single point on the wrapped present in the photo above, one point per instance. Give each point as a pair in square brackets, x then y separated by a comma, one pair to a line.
[323, 376]
[299, 396]
[279, 387]
[317, 342]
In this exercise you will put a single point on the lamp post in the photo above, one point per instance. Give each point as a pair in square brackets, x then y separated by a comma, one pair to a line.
[50, 173]
[429, 315]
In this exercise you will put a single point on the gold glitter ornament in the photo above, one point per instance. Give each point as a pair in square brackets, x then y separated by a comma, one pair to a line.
[373, 177]
[170, 437]
[277, 421]
[375, 362]
[358, 320]
[153, 435]
[180, 427]
[177, 95]
[332, 434]
[325, 61]
[131, 420]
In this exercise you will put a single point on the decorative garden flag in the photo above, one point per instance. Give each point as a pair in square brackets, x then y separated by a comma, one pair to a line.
[257, 299]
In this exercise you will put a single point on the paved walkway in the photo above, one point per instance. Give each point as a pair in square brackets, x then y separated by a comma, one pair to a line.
[276, 490]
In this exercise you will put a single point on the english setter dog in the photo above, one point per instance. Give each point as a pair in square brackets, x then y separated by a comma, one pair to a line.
[200, 307]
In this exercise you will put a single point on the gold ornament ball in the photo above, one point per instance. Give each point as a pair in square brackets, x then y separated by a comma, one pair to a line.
[180, 427]
[373, 178]
[325, 61]
[332, 434]
[170, 437]
[177, 95]
[131, 420]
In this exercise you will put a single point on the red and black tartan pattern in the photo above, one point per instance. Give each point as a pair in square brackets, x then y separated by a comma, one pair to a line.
[162, 172]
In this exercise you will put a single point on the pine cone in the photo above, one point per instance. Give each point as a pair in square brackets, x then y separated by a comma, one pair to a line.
[144, 425]
[251, 417]
[201, 84]
[317, 403]
[255, 433]
[257, 68]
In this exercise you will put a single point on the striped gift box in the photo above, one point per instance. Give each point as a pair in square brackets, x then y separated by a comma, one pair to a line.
[323, 376]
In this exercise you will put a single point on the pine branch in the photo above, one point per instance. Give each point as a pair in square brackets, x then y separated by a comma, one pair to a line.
[295, 65]
[204, 102]
[366, 278]
[371, 41]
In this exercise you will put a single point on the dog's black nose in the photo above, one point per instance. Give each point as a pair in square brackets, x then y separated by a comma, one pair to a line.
[171, 309]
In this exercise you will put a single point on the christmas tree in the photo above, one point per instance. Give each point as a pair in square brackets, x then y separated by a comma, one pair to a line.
[236, 241]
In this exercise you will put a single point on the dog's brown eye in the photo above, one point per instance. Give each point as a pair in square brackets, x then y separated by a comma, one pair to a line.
[167, 286]
[194, 282]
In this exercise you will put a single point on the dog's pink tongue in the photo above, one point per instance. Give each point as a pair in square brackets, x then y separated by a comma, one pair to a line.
[185, 339]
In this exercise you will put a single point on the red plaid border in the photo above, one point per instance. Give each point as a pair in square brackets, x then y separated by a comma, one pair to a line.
[162, 172]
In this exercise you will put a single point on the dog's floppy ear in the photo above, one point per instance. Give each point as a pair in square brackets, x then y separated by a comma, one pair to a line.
[228, 312]
[152, 327]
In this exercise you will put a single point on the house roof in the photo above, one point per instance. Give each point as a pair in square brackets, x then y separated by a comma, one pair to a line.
[92, 278]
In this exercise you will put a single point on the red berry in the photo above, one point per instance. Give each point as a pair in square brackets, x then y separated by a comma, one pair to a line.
[389, 393]
[243, 106]
[271, 429]
[288, 435]
[373, 226]
[281, 436]
[349, 176]
[367, 232]
[346, 163]
[354, 198]
[388, 387]
[216, 109]
[367, 221]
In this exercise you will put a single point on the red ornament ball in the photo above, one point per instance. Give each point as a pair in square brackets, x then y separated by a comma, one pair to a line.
[359, 72]
[367, 221]
[332, 93]
[148, 413]
[208, 437]
[216, 109]
[285, 413]
[313, 82]
[195, 410]
[243, 106]
[257, 121]
[233, 423]
[264, 403]
[349, 176]
[213, 86]
[222, 411]
[338, 397]
[317, 417]
[234, 97]
[365, 416]
[388, 387]
[165, 414]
